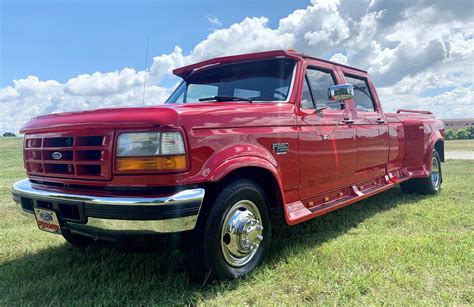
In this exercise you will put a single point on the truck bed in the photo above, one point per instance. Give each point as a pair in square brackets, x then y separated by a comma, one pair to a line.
[402, 115]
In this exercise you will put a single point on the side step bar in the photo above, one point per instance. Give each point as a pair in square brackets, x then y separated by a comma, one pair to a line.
[297, 212]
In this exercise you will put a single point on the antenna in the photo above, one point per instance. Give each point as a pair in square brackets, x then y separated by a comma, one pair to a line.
[146, 67]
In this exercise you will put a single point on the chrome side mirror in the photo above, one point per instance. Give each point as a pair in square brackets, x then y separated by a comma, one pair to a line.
[340, 92]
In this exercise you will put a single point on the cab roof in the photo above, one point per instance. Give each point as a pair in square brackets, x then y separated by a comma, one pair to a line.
[184, 71]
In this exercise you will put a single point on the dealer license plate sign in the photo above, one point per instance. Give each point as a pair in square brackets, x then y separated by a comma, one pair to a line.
[47, 220]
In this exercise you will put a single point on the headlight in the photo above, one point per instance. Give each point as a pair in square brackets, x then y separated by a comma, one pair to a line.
[138, 144]
[150, 151]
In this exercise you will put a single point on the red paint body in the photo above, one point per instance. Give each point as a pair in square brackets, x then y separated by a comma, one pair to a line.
[316, 176]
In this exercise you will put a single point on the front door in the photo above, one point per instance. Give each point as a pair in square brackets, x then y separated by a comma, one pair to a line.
[326, 142]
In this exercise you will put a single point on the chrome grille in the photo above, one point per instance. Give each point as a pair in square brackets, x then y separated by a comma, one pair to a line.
[78, 155]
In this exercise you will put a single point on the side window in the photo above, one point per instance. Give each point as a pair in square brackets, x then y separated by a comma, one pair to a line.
[362, 97]
[319, 82]
[306, 99]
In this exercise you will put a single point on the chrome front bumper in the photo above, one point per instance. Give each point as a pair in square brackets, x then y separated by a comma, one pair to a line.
[102, 217]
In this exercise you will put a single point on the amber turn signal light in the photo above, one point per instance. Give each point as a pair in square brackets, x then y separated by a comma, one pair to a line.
[157, 163]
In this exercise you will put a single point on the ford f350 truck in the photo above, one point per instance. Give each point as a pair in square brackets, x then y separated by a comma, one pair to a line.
[240, 136]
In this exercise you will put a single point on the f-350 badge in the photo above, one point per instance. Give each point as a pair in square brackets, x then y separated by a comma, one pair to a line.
[280, 148]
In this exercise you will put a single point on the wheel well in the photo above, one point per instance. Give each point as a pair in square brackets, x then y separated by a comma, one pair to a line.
[439, 147]
[264, 178]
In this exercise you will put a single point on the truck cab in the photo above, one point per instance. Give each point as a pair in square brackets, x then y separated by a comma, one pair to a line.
[241, 137]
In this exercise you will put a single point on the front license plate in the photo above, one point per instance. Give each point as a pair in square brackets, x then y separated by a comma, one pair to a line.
[47, 220]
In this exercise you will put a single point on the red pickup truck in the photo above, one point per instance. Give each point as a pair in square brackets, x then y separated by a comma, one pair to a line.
[240, 136]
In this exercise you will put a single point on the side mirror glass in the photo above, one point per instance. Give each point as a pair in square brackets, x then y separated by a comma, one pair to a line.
[340, 92]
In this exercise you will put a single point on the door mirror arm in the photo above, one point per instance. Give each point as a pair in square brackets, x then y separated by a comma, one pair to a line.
[342, 118]
[320, 110]
[315, 112]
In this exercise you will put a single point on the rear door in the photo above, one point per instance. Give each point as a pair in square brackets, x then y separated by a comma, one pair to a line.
[371, 128]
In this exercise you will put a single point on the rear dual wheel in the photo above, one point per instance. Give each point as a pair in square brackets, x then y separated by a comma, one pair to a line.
[428, 185]
[233, 234]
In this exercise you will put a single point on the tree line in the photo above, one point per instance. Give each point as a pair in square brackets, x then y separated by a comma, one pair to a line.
[460, 134]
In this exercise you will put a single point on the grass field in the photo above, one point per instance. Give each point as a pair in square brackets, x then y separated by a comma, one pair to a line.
[390, 249]
[460, 145]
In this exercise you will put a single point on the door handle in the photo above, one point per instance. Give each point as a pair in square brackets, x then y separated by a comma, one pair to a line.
[380, 121]
[348, 121]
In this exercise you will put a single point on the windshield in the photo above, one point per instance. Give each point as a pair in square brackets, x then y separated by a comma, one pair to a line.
[259, 80]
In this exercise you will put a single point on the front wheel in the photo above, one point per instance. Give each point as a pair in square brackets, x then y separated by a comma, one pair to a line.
[233, 236]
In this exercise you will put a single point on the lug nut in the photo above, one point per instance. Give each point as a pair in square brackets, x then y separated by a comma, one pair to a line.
[259, 238]
[259, 228]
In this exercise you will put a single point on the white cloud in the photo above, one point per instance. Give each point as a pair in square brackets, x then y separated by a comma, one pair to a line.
[460, 102]
[252, 34]
[409, 47]
[339, 58]
[164, 64]
[214, 21]
[99, 84]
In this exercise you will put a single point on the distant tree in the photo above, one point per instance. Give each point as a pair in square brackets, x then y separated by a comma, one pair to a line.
[460, 134]
[9, 134]
[450, 134]
[470, 130]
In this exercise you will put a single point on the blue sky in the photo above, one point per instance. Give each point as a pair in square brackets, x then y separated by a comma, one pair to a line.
[61, 39]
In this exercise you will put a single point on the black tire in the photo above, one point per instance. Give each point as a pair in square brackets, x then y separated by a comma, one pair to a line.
[77, 240]
[428, 185]
[205, 253]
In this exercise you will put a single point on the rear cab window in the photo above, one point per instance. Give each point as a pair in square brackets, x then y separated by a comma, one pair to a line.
[363, 98]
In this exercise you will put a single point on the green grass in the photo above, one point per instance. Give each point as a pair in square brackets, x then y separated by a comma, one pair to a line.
[459, 145]
[390, 249]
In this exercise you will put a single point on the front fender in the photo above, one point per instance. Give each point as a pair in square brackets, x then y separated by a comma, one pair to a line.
[216, 165]
[237, 157]
[228, 166]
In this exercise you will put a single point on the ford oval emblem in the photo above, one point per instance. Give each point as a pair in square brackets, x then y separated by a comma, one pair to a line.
[45, 216]
[56, 155]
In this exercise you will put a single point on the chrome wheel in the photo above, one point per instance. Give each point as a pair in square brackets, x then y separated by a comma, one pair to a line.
[435, 173]
[241, 234]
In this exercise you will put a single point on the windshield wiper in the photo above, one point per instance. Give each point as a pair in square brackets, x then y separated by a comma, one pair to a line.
[224, 98]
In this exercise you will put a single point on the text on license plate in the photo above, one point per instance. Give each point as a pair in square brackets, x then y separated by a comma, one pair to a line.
[47, 220]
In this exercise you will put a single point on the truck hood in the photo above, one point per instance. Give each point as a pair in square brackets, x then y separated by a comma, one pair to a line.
[104, 118]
